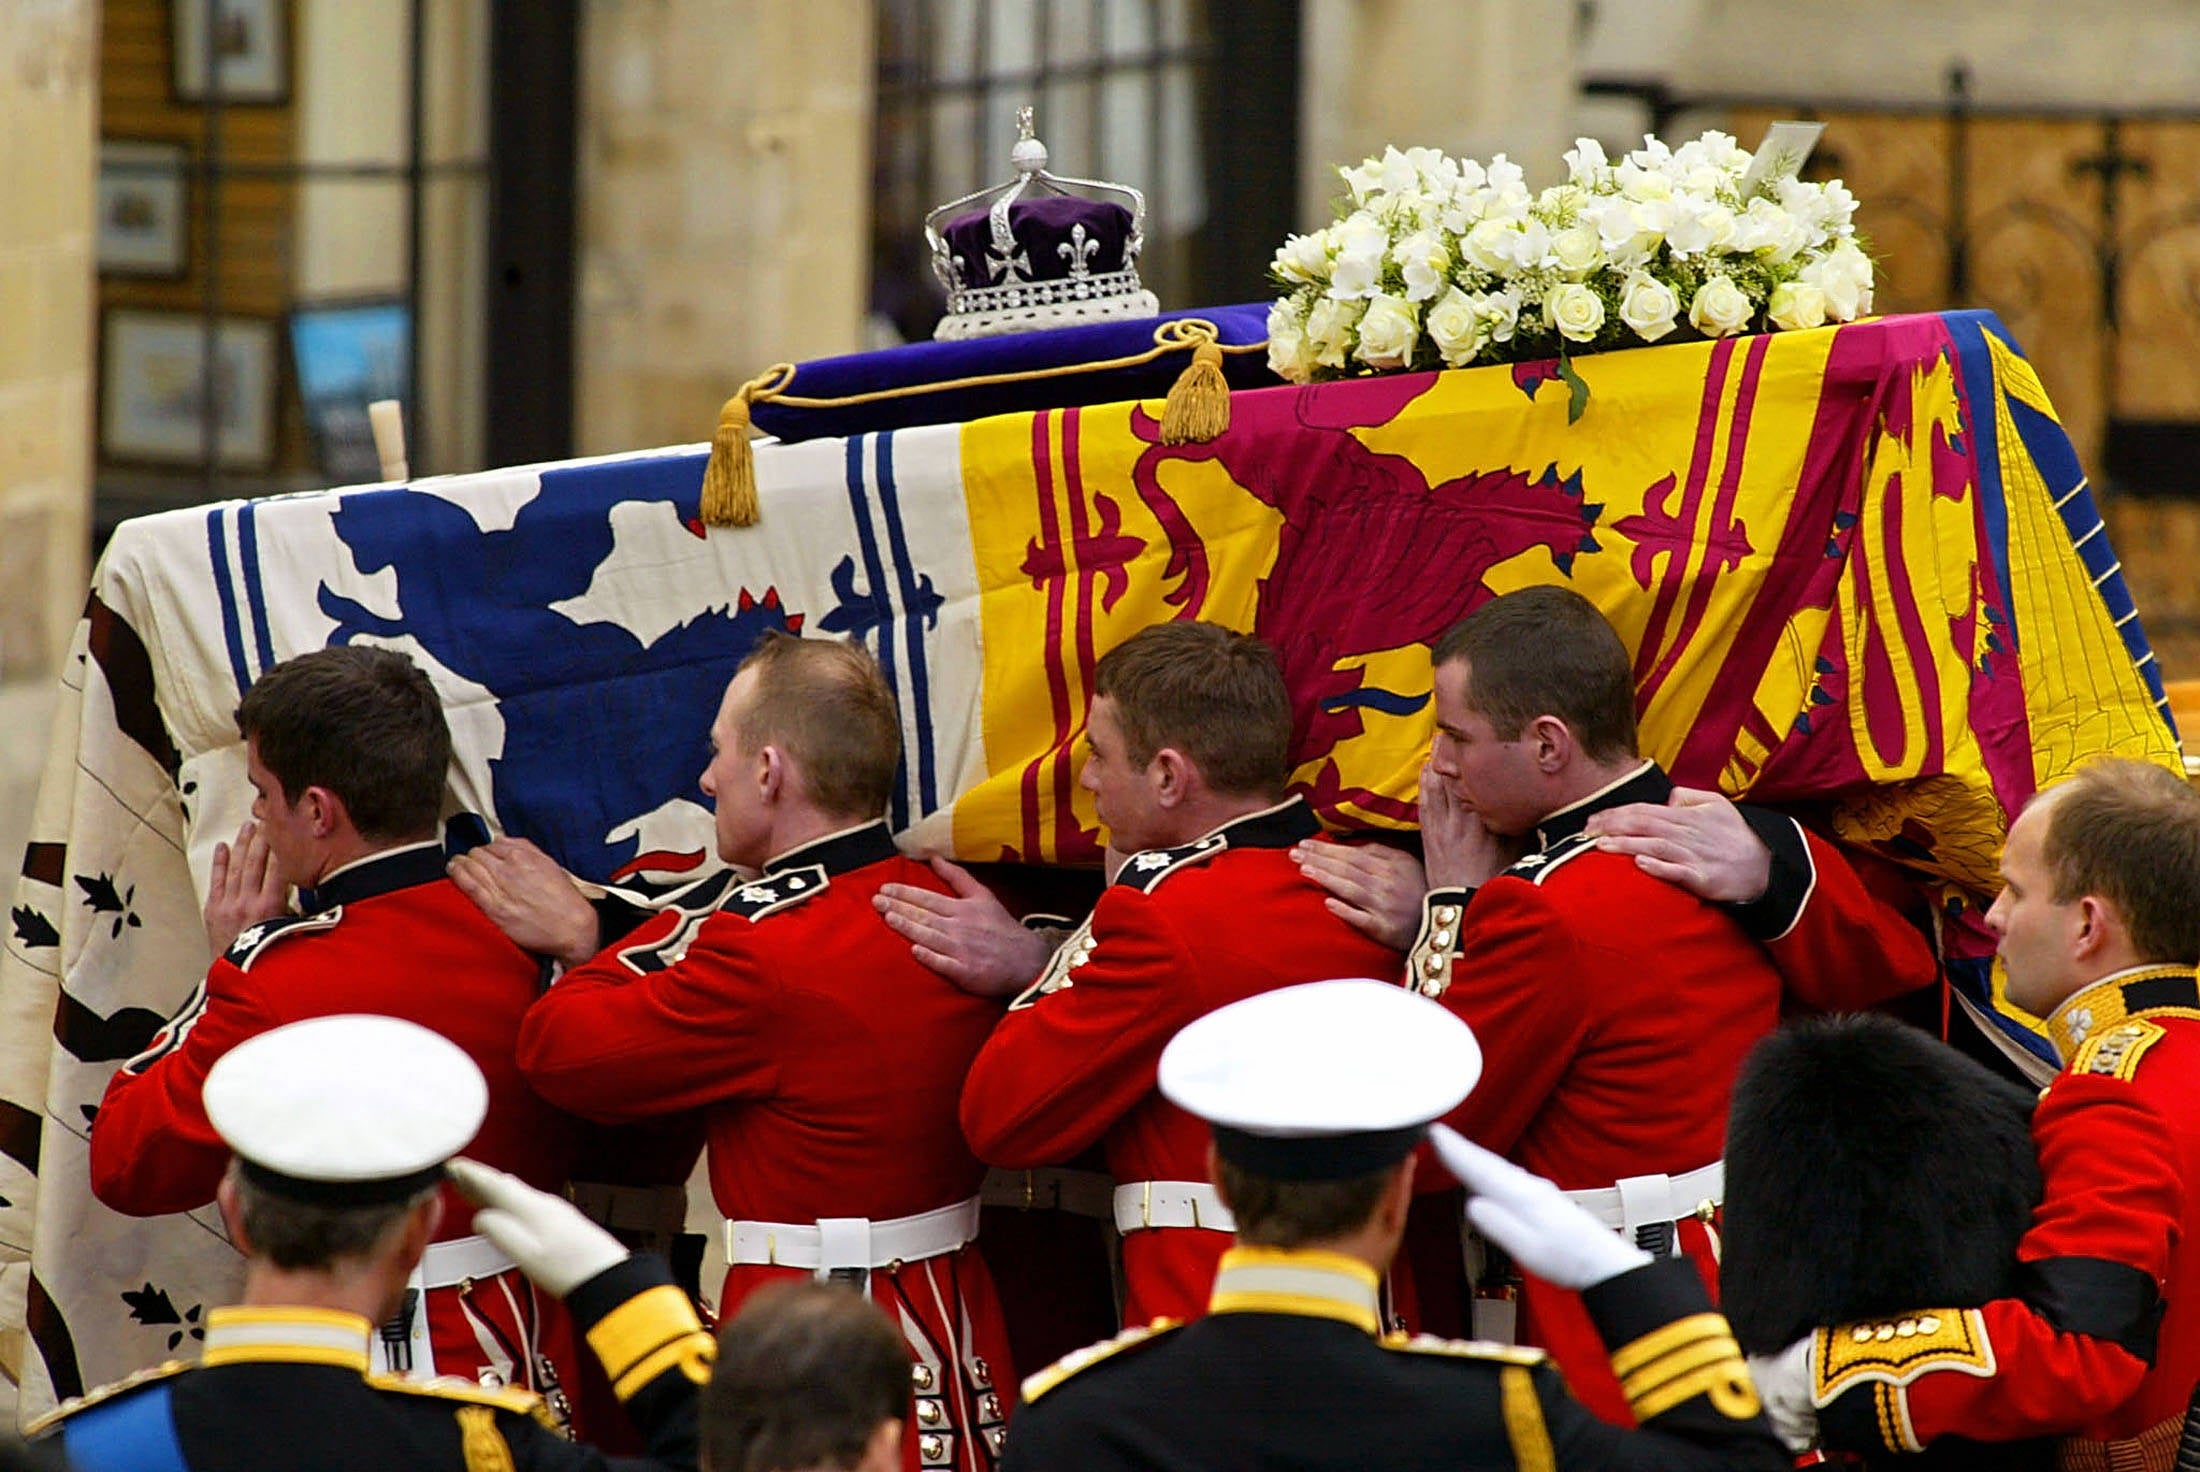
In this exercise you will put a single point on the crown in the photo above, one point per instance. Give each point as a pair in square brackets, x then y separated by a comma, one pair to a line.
[1032, 253]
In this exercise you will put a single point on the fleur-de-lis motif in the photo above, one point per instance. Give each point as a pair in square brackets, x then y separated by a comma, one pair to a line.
[1078, 251]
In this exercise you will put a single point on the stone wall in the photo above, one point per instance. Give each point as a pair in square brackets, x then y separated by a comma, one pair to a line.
[48, 99]
[725, 215]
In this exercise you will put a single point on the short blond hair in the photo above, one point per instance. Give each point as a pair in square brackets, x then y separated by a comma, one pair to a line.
[2129, 832]
[826, 704]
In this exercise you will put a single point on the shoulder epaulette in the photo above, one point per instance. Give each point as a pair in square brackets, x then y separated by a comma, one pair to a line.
[2116, 1052]
[1540, 866]
[775, 892]
[108, 1392]
[1896, 1351]
[1488, 1351]
[253, 940]
[1079, 1360]
[1142, 871]
[465, 1392]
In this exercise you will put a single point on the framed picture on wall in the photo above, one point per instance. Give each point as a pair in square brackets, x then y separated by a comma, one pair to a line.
[144, 208]
[251, 45]
[154, 381]
[348, 354]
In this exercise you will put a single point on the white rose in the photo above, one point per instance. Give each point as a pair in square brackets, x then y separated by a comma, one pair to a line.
[1457, 328]
[1647, 184]
[1720, 308]
[1797, 306]
[1488, 245]
[1388, 333]
[1304, 258]
[1425, 260]
[1289, 357]
[1770, 231]
[1329, 330]
[1844, 275]
[1579, 251]
[1575, 311]
[1648, 306]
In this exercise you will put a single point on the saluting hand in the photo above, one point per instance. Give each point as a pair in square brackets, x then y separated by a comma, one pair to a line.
[528, 897]
[243, 889]
[1695, 839]
[967, 936]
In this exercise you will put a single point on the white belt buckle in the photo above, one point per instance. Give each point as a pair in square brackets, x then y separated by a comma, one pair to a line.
[1644, 1201]
[844, 1249]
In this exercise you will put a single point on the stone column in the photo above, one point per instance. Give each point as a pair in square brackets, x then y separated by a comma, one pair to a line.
[1472, 77]
[725, 204]
[48, 153]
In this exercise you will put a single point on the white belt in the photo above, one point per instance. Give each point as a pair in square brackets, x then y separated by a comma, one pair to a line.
[853, 1241]
[1143, 1204]
[446, 1264]
[1642, 1201]
[1079, 1192]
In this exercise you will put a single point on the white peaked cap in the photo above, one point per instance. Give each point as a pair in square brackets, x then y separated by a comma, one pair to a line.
[346, 1110]
[1354, 1069]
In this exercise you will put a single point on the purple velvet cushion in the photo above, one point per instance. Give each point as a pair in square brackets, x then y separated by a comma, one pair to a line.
[1050, 232]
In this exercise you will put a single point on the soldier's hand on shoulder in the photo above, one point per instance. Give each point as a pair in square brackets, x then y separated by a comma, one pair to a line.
[1532, 1220]
[1372, 887]
[243, 889]
[1695, 839]
[966, 935]
[528, 897]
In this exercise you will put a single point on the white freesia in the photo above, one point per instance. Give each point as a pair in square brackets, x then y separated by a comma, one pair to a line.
[1585, 161]
[1500, 312]
[1770, 231]
[1844, 275]
[1720, 309]
[1388, 333]
[1574, 311]
[1698, 227]
[1304, 258]
[1505, 175]
[1797, 306]
[1289, 356]
[1361, 243]
[1457, 328]
[1424, 260]
[1329, 330]
[1648, 306]
[1528, 248]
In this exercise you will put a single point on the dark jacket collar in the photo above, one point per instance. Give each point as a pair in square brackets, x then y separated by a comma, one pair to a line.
[1288, 822]
[381, 873]
[850, 848]
[1647, 783]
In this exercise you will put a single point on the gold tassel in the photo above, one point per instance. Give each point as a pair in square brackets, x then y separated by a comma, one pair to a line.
[484, 1446]
[1198, 407]
[729, 479]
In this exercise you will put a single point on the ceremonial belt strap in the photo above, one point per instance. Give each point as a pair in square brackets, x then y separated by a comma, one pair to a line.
[460, 1260]
[853, 1242]
[1643, 1201]
[1051, 1188]
[1140, 1205]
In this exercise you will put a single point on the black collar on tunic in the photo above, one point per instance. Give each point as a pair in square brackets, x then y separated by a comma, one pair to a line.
[850, 848]
[383, 873]
[1649, 784]
[1288, 822]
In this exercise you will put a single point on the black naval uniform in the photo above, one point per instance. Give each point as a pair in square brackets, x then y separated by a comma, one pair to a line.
[289, 1388]
[1288, 1372]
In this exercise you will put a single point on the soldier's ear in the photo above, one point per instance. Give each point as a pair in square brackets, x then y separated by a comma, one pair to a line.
[1172, 773]
[771, 778]
[1551, 743]
[325, 813]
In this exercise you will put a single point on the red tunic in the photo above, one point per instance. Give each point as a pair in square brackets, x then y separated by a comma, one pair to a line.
[828, 1062]
[1614, 1011]
[2101, 1340]
[1180, 933]
[390, 935]
[1837, 930]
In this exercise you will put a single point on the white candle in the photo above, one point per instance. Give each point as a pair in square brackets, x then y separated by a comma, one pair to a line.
[387, 417]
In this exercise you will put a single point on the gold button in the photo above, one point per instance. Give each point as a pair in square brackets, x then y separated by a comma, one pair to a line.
[1441, 939]
[980, 1375]
[1862, 1334]
[932, 1448]
[1884, 1333]
[930, 1413]
[1928, 1325]
[1447, 914]
[1907, 1329]
[922, 1375]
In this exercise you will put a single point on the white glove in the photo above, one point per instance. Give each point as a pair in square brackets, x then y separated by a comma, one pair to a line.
[1532, 1220]
[546, 1235]
[1784, 1385]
